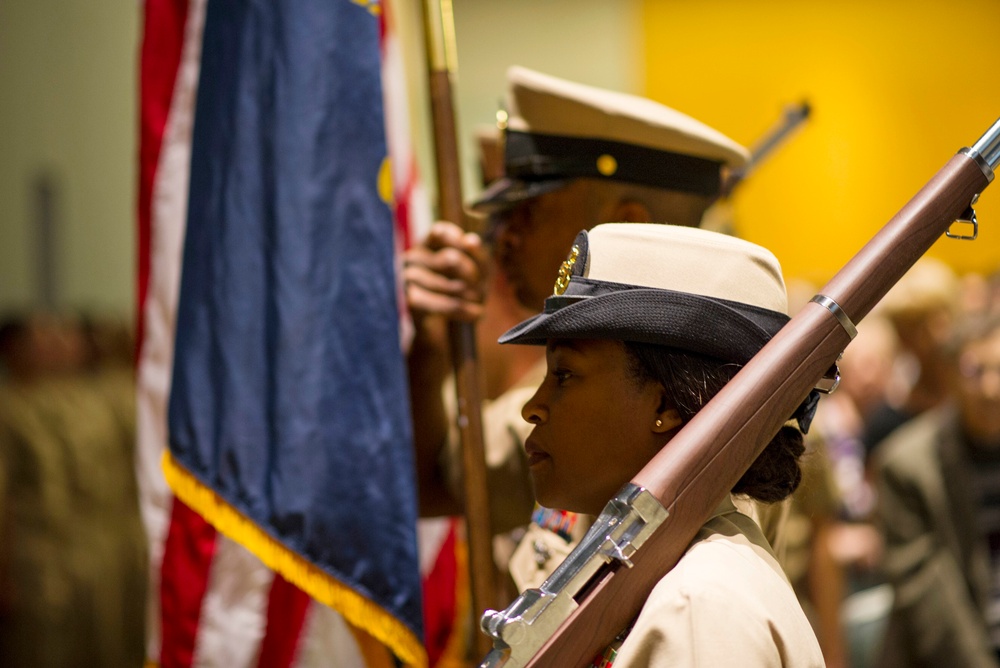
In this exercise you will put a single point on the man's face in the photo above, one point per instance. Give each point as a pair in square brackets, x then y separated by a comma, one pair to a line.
[979, 389]
[594, 425]
[534, 237]
[866, 366]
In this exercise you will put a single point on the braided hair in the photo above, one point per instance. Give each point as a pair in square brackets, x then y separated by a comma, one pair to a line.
[690, 381]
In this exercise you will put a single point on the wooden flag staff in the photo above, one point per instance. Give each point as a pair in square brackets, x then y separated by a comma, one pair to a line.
[439, 31]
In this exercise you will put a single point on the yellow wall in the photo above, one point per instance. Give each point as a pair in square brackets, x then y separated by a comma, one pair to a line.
[896, 87]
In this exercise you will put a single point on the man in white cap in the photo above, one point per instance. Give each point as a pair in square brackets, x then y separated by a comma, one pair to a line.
[574, 156]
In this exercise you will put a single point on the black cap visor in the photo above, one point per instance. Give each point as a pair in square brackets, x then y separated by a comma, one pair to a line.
[506, 193]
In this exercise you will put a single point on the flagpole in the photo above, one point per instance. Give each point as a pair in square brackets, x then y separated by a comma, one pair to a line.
[439, 30]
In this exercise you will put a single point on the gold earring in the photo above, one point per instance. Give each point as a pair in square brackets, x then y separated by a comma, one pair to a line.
[659, 422]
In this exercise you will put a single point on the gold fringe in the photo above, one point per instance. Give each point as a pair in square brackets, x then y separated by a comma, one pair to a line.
[356, 609]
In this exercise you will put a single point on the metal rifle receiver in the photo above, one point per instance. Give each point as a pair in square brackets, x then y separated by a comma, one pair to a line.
[620, 530]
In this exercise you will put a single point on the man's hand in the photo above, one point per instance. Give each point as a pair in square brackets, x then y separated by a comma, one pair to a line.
[444, 278]
[445, 275]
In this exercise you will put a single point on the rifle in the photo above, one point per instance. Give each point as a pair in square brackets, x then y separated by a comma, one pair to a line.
[440, 37]
[644, 530]
[792, 118]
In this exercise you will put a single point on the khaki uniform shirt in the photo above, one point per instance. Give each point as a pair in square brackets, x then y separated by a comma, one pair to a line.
[727, 602]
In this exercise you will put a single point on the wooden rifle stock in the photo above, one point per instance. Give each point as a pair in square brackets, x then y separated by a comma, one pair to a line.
[701, 464]
[439, 34]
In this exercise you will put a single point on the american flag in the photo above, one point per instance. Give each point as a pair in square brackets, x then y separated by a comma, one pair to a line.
[214, 602]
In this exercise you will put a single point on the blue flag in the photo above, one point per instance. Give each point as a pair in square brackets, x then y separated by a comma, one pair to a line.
[288, 417]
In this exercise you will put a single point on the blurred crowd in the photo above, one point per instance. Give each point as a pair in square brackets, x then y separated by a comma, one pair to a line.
[893, 541]
[72, 547]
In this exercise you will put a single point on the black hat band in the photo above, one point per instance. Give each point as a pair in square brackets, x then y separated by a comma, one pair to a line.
[531, 157]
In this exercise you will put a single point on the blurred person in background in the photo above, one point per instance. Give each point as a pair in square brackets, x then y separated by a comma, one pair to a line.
[980, 293]
[939, 509]
[72, 550]
[921, 308]
[39, 345]
[993, 291]
[851, 539]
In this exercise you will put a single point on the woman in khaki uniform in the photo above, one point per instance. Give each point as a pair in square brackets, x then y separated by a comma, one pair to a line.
[649, 322]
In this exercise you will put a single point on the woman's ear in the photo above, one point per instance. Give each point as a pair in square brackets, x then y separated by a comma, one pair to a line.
[666, 420]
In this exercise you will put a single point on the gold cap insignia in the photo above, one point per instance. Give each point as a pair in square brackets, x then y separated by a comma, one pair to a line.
[606, 164]
[562, 282]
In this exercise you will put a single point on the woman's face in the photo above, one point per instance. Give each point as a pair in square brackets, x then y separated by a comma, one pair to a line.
[595, 425]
